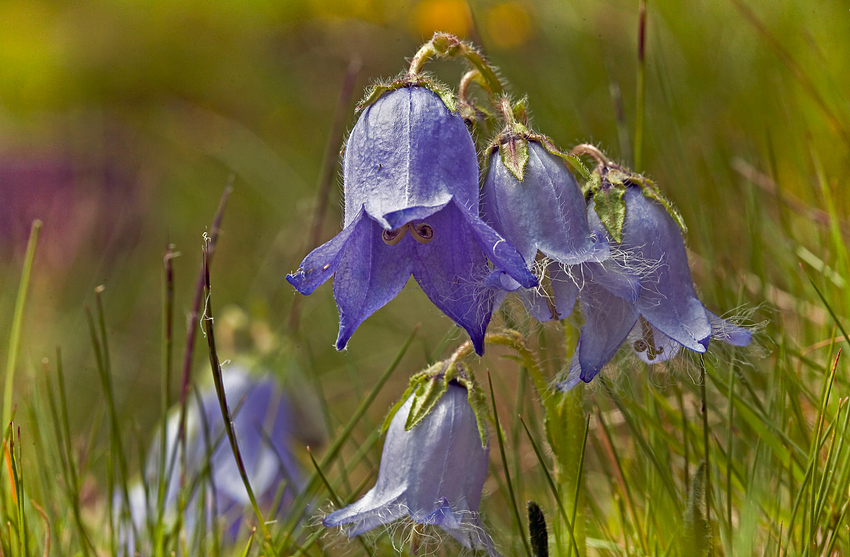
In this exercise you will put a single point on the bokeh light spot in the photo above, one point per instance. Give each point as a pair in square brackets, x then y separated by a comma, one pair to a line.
[451, 16]
[508, 25]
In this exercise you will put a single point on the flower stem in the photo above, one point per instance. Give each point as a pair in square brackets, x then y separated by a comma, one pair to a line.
[566, 427]
[591, 151]
[515, 341]
[446, 45]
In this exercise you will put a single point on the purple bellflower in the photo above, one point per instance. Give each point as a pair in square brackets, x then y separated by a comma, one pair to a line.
[543, 211]
[659, 317]
[262, 422]
[433, 473]
[410, 174]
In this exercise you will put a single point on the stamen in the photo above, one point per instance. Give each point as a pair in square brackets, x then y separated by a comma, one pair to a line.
[423, 233]
[392, 237]
[649, 337]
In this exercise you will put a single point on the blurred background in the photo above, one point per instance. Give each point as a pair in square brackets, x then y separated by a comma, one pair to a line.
[122, 120]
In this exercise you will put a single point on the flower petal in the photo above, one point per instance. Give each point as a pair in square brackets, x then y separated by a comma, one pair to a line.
[500, 280]
[401, 217]
[452, 271]
[370, 274]
[559, 305]
[728, 332]
[613, 277]
[564, 290]
[408, 151]
[503, 255]
[323, 261]
[545, 211]
[464, 526]
[667, 298]
[371, 511]
[539, 305]
[439, 449]
[608, 320]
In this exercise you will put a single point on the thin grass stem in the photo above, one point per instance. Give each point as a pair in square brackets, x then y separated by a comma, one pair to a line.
[509, 485]
[18, 320]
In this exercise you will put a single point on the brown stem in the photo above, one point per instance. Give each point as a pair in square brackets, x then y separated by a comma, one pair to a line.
[591, 151]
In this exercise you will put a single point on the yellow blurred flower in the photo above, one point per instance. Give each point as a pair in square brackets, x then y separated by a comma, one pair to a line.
[451, 16]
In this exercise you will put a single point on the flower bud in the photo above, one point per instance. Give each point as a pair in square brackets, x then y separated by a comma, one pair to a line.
[433, 474]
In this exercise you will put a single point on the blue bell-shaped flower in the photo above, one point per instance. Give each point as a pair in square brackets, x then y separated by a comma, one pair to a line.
[263, 425]
[660, 316]
[433, 474]
[543, 211]
[411, 207]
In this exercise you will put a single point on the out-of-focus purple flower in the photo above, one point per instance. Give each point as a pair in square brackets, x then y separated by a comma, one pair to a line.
[433, 473]
[660, 317]
[546, 212]
[215, 490]
[411, 207]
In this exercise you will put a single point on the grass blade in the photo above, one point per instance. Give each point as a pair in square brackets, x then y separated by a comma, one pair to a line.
[17, 321]
[514, 506]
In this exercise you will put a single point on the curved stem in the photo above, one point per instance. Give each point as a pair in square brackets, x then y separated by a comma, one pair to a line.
[446, 45]
[425, 53]
[516, 342]
[470, 77]
[593, 152]
[494, 86]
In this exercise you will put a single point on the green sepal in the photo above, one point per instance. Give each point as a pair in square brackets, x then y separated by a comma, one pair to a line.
[416, 382]
[479, 405]
[373, 93]
[617, 177]
[593, 183]
[425, 397]
[426, 388]
[611, 208]
[520, 111]
[607, 186]
[653, 193]
[442, 90]
[512, 144]
[623, 176]
[395, 408]
[572, 161]
[514, 154]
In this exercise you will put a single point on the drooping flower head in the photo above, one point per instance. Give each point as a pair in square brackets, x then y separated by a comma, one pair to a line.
[432, 473]
[532, 199]
[262, 423]
[411, 207]
[663, 314]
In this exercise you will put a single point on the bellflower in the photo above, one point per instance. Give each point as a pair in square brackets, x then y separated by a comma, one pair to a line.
[665, 314]
[543, 211]
[433, 473]
[410, 174]
[262, 423]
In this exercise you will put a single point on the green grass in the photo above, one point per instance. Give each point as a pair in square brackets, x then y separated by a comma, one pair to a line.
[740, 111]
